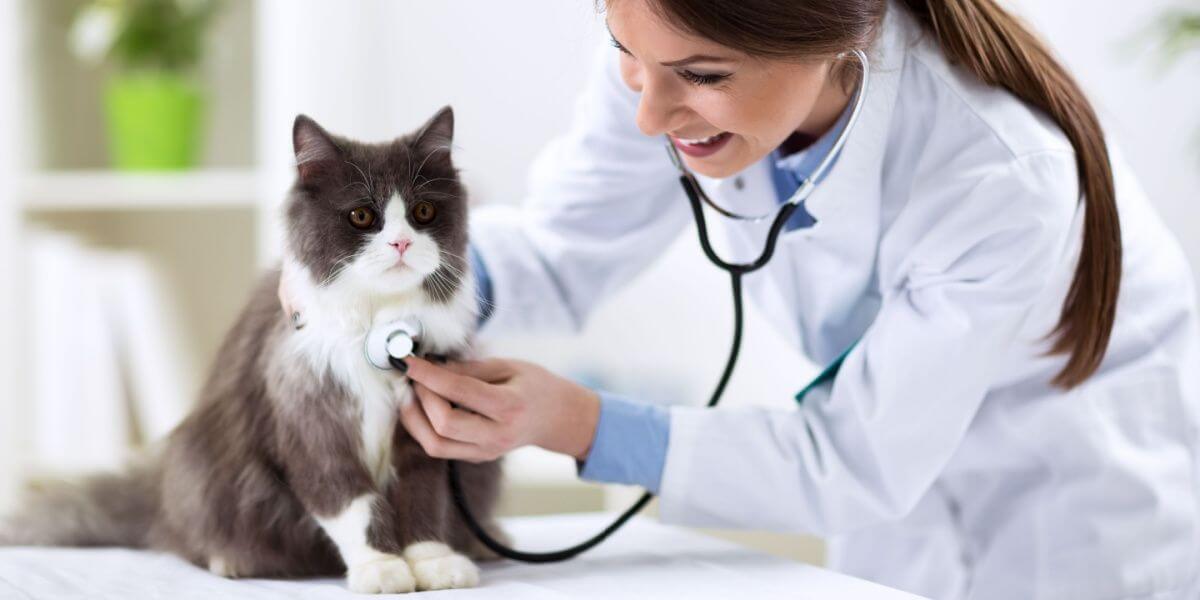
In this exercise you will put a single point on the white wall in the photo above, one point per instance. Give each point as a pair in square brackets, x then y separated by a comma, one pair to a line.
[11, 388]
[1152, 113]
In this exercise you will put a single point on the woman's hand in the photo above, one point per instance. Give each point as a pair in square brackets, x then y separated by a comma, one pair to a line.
[287, 285]
[509, 404]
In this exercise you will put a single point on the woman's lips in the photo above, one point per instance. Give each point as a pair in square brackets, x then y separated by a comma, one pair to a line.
[702, 147]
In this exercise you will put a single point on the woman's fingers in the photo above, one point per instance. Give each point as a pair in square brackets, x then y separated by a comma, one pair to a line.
[463, 390]
[459, 425]
[412, 415]
[287, 277]
[492, 370]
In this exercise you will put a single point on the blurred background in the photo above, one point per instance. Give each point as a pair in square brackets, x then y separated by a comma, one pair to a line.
[145, 148]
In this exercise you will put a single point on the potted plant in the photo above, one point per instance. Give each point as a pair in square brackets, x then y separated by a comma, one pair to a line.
[154, 104]
[1182, 30]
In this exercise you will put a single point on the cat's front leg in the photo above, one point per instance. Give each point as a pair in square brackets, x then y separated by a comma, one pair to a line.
[437, 566]
[368, 570]
[422, 516]
[319, 450]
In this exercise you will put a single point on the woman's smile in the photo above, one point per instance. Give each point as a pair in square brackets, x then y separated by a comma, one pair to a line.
[702, 147]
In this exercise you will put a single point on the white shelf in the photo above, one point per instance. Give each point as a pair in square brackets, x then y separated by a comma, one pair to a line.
[52, 191]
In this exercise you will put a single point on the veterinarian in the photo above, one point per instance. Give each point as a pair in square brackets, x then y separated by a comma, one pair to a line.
[1015, 411]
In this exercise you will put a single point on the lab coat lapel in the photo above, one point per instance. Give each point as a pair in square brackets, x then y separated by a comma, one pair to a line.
[830, 277]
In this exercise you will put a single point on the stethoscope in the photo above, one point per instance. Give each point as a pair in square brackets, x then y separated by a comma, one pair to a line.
[389, 343]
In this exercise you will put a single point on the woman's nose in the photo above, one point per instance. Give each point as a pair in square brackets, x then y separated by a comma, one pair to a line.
[657, 108]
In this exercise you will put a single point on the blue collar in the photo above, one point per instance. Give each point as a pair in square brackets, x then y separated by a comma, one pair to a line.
[788, 171]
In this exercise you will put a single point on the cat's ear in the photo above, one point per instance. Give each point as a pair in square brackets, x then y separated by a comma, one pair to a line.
[438, 132]
[315, 149]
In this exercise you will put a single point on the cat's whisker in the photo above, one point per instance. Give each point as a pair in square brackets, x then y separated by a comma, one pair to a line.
[338, 268]
[457, 271]
[459, 276]
[428, 156]
[367, 182]
[429, 181]
[441, 194]
[449, 253]
[439, 286]
[440, 275]
[451, 284]
[453, 269]
[354, 183]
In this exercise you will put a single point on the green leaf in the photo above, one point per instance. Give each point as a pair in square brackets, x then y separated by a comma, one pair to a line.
[161, 34]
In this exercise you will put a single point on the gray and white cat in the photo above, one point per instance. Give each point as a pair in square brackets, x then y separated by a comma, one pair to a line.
[292, 463]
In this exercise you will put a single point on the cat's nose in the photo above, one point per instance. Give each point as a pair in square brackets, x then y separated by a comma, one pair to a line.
[401, 245]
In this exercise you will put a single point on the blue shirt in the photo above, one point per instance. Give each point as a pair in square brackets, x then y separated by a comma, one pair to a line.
[630, 446]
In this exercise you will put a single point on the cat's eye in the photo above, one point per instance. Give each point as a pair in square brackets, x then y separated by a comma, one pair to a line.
[362, 217]
[424, 212]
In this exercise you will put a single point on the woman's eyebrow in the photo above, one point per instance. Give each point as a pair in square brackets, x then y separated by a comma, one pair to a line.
[695, 58]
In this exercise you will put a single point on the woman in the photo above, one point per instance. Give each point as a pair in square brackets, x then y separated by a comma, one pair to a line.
[1015, 416]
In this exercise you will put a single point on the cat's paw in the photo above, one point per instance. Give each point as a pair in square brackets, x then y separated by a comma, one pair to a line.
[217, 565]
[438, 567]
[386, 574]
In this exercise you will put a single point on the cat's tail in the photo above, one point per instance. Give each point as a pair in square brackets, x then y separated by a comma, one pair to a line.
[111, 509]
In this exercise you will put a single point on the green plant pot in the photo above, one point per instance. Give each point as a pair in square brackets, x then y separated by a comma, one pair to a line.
[154, 121]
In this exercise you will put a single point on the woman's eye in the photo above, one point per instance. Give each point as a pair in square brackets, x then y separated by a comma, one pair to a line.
[362, 217]
[424, 212]
[702, 79]
[618, 46]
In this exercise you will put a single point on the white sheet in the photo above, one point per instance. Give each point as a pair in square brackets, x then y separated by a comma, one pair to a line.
[644, 560]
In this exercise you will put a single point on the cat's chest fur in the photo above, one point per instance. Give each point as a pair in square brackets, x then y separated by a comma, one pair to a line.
[332, 344]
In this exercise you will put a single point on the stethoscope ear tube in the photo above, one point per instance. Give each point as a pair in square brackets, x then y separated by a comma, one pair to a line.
[692, 189]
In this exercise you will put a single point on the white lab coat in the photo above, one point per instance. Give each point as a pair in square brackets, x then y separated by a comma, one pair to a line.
[941, 461]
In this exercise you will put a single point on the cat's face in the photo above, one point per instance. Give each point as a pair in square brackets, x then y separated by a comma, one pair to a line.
[384, 218]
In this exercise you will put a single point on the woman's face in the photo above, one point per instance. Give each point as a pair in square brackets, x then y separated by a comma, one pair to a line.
[723, 109]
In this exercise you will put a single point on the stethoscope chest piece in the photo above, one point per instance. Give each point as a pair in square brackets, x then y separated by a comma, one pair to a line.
[392, 339]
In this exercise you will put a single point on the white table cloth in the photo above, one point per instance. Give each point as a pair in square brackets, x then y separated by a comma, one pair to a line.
[644, 560]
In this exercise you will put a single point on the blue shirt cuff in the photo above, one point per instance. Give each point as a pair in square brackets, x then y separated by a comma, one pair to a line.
[630, 446]
[483, 283]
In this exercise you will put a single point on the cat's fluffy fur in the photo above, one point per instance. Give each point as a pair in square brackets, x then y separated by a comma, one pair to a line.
[292, 463]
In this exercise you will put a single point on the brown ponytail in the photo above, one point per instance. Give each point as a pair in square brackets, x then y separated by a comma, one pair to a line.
[984, 39]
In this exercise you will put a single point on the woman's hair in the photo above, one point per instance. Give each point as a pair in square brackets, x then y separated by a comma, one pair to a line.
[987, 41]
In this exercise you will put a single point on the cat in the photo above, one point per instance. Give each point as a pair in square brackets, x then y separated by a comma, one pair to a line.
[292, 463]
